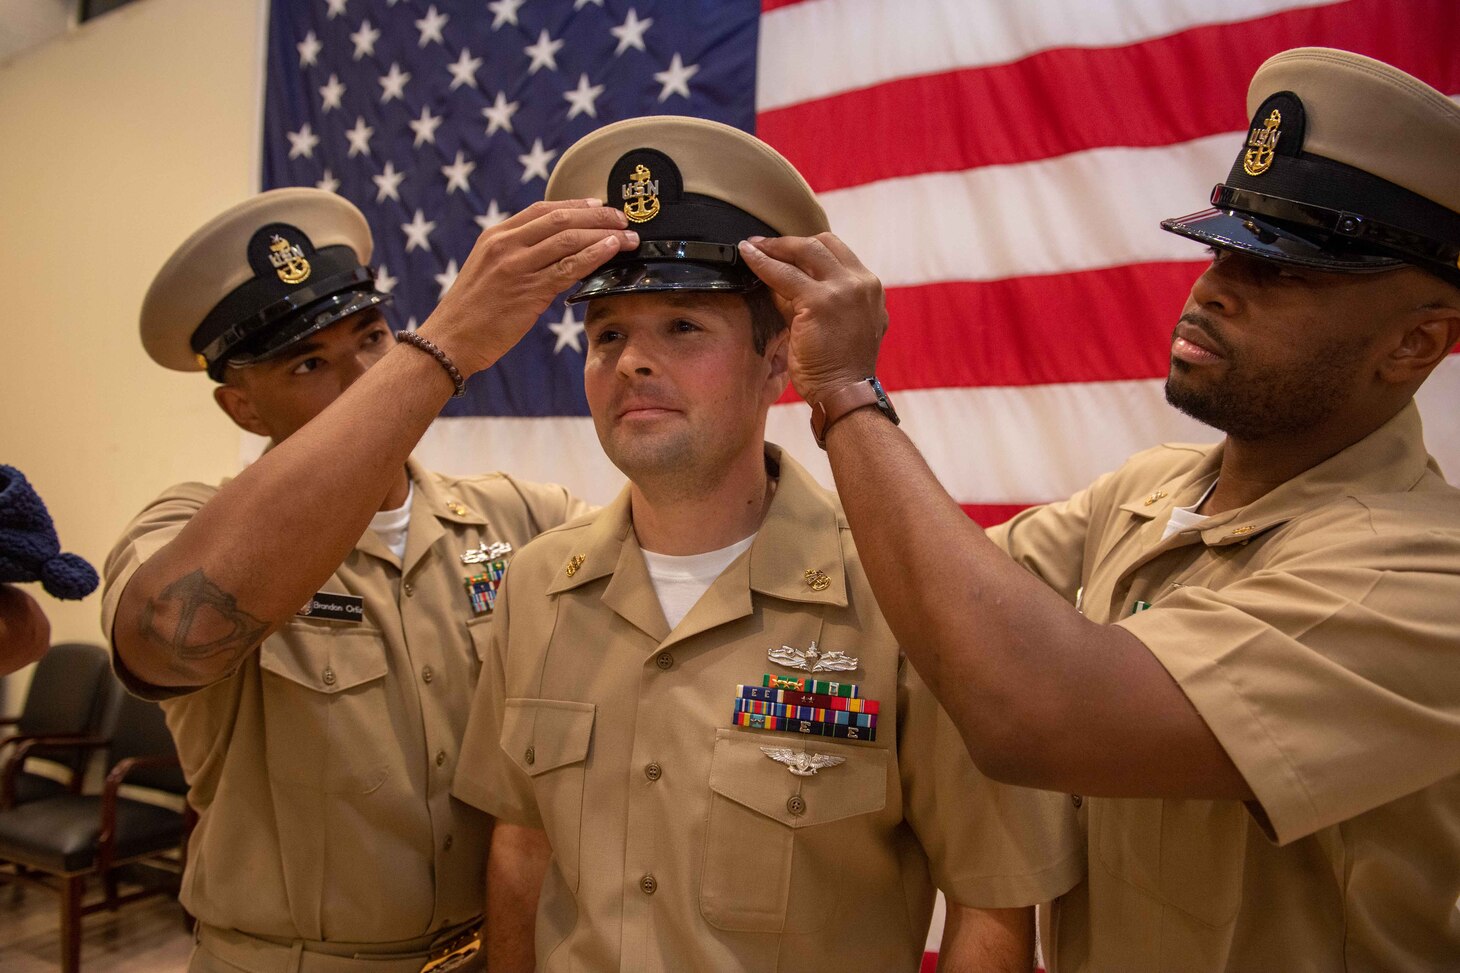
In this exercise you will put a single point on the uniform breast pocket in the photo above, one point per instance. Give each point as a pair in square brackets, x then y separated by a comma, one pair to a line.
[325, 708]
[769, 828]
[1185, 854]
[480, 630]
[549, 740]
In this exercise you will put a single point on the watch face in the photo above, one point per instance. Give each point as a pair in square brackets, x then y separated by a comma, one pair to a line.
[884, 404]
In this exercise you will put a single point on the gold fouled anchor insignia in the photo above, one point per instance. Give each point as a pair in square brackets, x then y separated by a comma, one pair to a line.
[1262, 144]
[574, 563]
[288, 260]
[641, 196]
[816, 580]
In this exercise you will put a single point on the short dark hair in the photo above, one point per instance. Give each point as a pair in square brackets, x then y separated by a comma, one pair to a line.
[766, 320]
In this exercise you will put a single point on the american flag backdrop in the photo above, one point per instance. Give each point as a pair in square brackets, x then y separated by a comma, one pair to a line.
[1001, 164]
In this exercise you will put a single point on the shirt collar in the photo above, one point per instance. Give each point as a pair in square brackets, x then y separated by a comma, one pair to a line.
[797, 554]
[1391, 459]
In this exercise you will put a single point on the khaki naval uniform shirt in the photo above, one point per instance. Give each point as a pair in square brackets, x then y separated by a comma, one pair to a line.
[678, 844]
[1317, 631]
[321, 768]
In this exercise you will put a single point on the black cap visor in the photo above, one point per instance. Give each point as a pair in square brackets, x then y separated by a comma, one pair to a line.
[1275, 241]
[305, 322]
[669, 265]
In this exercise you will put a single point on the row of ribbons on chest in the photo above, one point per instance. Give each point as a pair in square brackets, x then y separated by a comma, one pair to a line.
[805, 704]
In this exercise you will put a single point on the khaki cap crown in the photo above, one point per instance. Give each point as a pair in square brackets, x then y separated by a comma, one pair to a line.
[715, 160]
[1371, 116]
[213, 262]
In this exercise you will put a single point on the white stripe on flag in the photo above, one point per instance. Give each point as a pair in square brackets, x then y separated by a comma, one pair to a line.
[818, 48]
[991, 445]
[1099, 208]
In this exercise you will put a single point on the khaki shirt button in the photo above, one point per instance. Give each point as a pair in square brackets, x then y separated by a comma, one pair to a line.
[328, 676]
[409, 589]
[796, 804]
[664, 661]
[653, 771]
[649, 884]
[529, 757]
[440, 757]
[1076, 800]
[446, 845]
[427, 674]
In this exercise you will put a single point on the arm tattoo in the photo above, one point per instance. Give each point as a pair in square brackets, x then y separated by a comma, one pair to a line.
[204, 619]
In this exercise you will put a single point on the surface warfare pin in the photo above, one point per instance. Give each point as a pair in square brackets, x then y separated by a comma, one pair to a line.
[483, 553]
[812, 659]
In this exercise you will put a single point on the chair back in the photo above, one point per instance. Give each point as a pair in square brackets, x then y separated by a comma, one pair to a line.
[141, 731]
[70, 693]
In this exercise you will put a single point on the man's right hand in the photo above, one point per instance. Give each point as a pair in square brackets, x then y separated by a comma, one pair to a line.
[514, 271]
[835, 305]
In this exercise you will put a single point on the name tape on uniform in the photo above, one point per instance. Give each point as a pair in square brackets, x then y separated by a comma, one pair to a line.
[335, 607]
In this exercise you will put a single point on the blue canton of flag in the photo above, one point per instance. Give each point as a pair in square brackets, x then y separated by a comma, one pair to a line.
[442, 119]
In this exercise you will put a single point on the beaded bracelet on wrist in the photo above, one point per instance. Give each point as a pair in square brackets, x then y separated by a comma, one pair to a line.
[429, 347]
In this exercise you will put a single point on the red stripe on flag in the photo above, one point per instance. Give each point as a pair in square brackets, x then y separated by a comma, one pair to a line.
[1110, 324]
[766, 6]
[992, 514]
[1173, 89]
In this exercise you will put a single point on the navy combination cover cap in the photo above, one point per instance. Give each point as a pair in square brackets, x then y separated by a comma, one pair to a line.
[256, 279]
[692, 189]
[1349, 165]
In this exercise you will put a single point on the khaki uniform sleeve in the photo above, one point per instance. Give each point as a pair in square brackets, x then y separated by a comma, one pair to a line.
[1050, 540]
[486, 777]
[989, 845]
[1329, 675]
[149, 532]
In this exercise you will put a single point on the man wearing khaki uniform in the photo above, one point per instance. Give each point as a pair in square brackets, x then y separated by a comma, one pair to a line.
[314, 626]
[692, 692]
[1240, 660]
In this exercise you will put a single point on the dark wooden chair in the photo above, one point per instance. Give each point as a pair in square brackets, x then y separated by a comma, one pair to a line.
[72, 695]
[59, 842]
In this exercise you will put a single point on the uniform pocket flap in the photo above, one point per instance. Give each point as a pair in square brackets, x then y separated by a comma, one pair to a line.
[480, 630]
[745, 772]
[540, 735]
[331, 659]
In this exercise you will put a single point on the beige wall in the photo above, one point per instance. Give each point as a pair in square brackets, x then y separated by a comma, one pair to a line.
[118, 139]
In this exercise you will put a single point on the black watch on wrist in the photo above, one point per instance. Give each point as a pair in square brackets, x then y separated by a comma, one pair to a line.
[846, 400]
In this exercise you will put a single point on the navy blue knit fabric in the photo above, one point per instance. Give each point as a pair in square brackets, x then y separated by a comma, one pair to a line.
[29, 548]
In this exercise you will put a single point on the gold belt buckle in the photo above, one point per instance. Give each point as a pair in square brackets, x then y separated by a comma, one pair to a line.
[456, 952]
